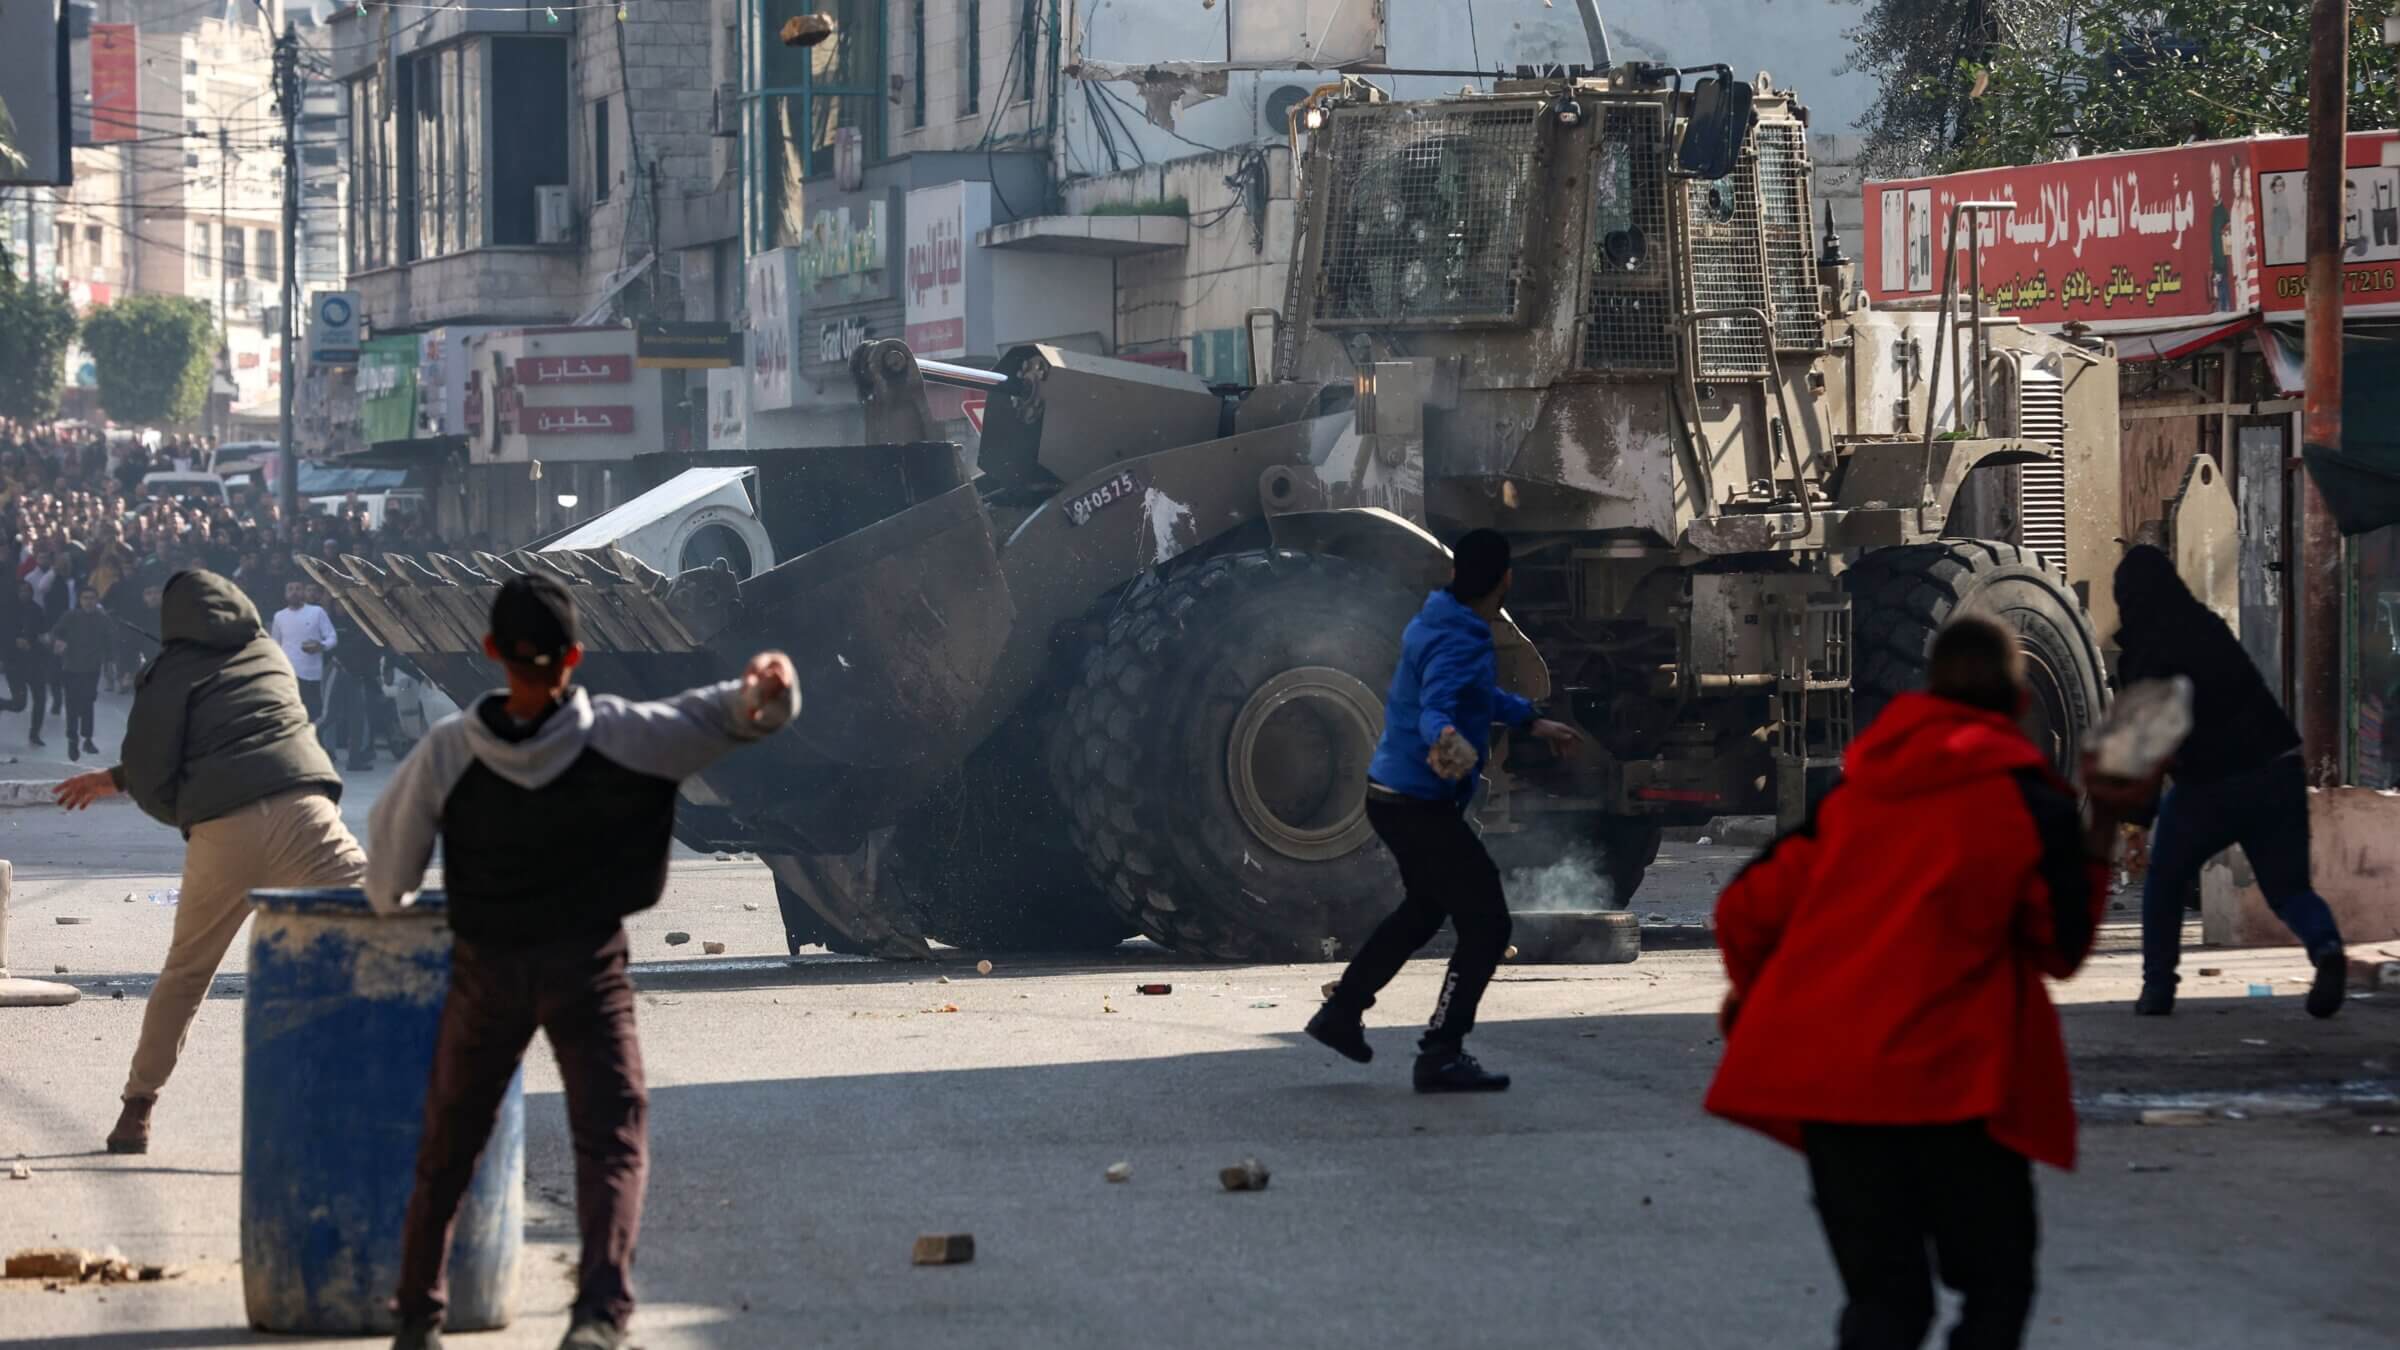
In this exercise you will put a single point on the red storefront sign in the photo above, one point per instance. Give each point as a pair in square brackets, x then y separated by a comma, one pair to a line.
[555, 370]
[2114, 241]
[116, 82]
[585, 420]
[2370, 223]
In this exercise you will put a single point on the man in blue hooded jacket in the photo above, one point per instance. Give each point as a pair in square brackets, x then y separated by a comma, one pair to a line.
[1437, 726]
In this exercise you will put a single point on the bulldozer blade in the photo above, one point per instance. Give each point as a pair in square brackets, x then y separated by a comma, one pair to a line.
[851, 893]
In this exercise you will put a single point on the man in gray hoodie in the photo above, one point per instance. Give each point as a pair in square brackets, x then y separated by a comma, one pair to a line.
[218, 746]
[554, 812]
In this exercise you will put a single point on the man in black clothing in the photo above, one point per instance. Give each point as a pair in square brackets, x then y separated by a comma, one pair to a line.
[2238, 779]
[554, 812]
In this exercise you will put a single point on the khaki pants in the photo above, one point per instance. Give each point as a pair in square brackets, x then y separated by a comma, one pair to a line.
[296, 839]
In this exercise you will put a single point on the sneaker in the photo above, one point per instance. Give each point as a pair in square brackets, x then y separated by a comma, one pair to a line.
[1339, 1030]
[2325, 993]
[418, 1336]
[591, 1333]
[132, 1134]
[2157, 1000]
[1456, 1071]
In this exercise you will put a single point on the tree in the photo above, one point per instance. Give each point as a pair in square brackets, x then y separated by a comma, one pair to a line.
[36, 324]
[154, 354]
[1975, 83]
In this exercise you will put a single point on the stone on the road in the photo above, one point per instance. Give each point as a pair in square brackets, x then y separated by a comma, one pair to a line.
[1119, 1173]
[49, 1263]
[1247, 1175]
[945, 1249]
[983, 967]
[678, 938]
[66, 920]
[19, 1172]
[749, 908]
[712, 948]
[2174, 1116]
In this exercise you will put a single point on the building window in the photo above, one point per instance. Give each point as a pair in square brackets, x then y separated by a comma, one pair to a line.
[600, 171]
[235, 251]
[1029, 33]
[204, 249]
[970, 58]
[267, 255]
[191, 67]
[916, 51]
[446, 155]
[808, 102]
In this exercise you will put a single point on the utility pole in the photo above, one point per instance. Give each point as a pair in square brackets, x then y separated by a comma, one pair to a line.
[224, 251]
[287, 94]
[2320, 587]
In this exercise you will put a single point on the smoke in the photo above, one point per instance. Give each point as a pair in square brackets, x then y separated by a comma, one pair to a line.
[1574, 883]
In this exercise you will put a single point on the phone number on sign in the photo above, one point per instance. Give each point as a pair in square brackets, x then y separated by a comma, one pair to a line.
[2354, 282]
[1080, 509]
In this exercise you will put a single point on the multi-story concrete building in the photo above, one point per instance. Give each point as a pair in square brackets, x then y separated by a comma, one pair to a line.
[511, 169]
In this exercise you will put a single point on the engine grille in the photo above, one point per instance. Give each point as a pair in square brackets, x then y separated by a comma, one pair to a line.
[1721, 224]
[2042, 484]
[1791, 259]
[1631, 300]
[1427, 214]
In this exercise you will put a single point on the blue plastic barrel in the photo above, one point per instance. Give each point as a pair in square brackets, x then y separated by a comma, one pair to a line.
[338, 1035]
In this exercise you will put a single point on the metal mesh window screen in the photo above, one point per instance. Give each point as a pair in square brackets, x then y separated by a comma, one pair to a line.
[1791, 258]
[2042, 485]
[1728, 269]
[1427, 214]
[1631, 299]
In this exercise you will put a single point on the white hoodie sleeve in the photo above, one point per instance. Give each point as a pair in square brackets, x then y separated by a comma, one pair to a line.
[677, 737]
[407, 818]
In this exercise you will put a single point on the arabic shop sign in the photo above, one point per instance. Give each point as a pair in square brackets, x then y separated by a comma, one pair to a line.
[579, 420]
[2113, 241]
[544, 370]
[387, 388]
[2370, 224]
[846, 247]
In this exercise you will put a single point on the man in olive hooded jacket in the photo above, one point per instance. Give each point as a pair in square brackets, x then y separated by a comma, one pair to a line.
[218, 746]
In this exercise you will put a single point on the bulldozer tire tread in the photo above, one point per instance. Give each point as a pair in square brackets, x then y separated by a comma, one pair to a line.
[1902, 596]
[987, 859]
[1132, 758]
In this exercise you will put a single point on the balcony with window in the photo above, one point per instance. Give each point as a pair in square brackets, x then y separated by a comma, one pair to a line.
[459, 163]
[804, 105]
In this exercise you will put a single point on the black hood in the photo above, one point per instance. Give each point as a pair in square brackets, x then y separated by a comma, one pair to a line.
[2149, 590]
[204, 608]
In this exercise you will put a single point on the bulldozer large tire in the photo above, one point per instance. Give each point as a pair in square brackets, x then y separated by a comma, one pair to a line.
[987, 861]
[1213, 756]
[1901, 597]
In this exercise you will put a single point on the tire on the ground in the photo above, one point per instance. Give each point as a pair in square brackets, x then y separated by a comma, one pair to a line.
[1575, 937]
[987, 861]
[1902, 596]
[1288, 653]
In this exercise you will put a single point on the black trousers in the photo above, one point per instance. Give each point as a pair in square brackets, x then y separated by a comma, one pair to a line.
[1903, 1202]
[312, 698]
[83, 696]
[1446, 875]
[576, 990]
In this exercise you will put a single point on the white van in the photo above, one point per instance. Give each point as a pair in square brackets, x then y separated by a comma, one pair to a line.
[170, 485]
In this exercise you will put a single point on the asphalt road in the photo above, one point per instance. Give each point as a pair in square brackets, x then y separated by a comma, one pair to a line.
[810, 1119]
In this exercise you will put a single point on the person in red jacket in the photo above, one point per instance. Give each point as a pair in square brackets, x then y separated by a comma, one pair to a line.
[1888, 1015]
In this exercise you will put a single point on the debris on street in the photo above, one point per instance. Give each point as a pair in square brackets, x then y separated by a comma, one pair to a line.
[19, 1172]
[945, 1249]
[678, 938]
[2174, 1116]
[1119, 1173]
[749, 907]
[2149, 1167]
[64, 920]
[1247, 1175]
[1154, 989]
[983, 967]
[712, 948]
[2211, 970]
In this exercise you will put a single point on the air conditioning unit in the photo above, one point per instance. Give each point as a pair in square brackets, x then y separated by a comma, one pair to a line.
[554, 215]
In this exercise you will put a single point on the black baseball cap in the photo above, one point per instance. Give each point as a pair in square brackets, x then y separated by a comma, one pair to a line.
[533, 620]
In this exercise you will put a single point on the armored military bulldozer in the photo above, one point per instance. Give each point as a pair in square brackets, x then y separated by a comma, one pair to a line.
[1121, 669]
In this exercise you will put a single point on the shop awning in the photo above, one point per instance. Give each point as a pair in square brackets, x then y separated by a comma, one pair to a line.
[2172, 344]
[2360, 480]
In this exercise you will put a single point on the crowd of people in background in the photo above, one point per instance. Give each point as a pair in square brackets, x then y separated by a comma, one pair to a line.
[88, 550]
